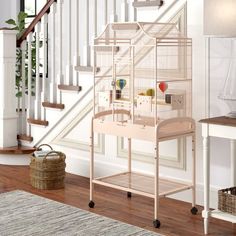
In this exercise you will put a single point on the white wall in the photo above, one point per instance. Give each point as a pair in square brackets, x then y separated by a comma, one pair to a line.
[219, 62]
[5, 12]
[220, 148]
[8, 9]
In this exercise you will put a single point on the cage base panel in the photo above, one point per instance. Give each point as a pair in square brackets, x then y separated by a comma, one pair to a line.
[172, 130]
[142, 184]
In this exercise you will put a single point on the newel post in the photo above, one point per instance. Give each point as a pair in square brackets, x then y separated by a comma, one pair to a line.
[8, 115]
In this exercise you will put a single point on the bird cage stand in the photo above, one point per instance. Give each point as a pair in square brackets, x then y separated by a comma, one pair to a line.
[130, 58]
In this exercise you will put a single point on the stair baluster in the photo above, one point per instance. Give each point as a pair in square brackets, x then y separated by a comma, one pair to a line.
[69, 68]
[23, 77]
[29, 102]
[87, 52]
[113, 16]
[53, 85]
[37, 114]
[134, 12]
[60, 77]
[77, 38]
[105, 13]
[124, 11]
[95, 18]
[45, 62]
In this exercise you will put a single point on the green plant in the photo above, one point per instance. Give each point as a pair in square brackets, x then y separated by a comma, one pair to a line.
[19, 25]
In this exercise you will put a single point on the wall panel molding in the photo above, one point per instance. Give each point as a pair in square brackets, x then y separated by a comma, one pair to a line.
[178, 161]
[63, 140]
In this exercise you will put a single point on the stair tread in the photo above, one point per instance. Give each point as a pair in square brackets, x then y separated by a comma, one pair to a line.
[37, 122]
[17, 150]
[106, 48]
[69, 87]
[153, 3]
[53, 105]
[24, 137]
[128, 26]
[88, 69]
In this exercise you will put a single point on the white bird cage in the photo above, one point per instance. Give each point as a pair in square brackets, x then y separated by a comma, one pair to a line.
[142, 90]
[144, 68]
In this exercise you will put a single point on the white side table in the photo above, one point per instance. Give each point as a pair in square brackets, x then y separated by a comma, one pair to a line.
[222, 127]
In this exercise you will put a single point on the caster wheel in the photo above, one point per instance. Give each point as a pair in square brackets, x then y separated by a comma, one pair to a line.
[194, 211]
[129, 194]
[156, 223]
[91, 204]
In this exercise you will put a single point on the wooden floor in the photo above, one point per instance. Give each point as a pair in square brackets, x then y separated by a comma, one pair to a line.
[175, 216]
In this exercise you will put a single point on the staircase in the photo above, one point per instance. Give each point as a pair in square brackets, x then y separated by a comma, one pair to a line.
[55, 85]
[60, 85]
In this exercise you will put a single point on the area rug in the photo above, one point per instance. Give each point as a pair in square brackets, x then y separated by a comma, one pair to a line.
[25, 214]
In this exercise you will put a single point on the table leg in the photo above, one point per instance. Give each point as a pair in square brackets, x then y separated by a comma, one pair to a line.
[206, 169]
[129, 154]
[194, 171]
[129, 166]
[156, 221]
[233, 161]
[91, 203]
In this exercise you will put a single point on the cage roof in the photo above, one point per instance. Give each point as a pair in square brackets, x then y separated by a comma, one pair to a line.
[133, 33]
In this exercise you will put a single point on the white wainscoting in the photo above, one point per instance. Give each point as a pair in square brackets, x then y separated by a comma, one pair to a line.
[76, 133]
[172, 153]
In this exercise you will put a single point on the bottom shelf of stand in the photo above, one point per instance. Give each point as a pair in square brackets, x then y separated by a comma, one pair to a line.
[141, 184]
[223, 216]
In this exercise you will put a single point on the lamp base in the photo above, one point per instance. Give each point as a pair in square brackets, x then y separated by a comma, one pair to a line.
[232, 114]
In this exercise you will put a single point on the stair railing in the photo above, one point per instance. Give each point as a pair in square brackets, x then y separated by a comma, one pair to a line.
[48, 64]
[34, 82]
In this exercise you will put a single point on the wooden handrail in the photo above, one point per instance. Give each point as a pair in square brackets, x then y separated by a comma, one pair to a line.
[38, 18]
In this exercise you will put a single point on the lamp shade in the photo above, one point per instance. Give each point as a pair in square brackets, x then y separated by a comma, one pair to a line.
[220, 18]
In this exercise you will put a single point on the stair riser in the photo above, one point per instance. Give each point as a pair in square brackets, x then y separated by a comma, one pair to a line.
[20, 160]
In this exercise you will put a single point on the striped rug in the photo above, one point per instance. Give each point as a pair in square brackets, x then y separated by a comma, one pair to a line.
[25, 214]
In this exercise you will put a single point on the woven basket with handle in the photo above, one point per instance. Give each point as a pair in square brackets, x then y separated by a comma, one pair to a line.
[48, 172]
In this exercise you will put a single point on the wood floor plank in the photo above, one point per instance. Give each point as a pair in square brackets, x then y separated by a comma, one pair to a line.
[175, 216]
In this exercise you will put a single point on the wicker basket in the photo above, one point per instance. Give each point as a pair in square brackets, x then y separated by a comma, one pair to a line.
[227, 200]
[48, 172]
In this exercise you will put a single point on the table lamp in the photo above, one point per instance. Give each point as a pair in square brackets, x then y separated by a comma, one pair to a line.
[220, 21]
